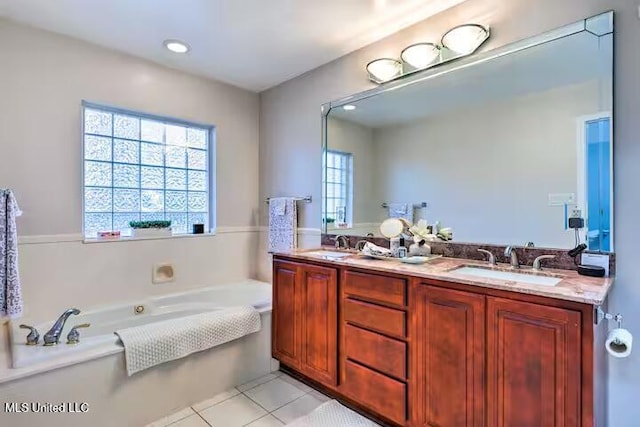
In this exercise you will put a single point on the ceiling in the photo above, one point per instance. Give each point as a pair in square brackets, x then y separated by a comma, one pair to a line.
[578, 58]
[254, 44]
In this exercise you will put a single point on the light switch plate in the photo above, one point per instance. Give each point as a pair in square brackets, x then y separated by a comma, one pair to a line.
[599, 260]
[561, 199]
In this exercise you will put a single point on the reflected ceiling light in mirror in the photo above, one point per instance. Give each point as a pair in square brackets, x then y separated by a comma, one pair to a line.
[348, 107]
[420, 55]
[465, 39]
[384, 69]
[176, 46]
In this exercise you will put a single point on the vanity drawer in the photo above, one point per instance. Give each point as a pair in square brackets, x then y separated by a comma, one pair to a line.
[377, 288]
[375, 317]
[382, 394]
[383, 354]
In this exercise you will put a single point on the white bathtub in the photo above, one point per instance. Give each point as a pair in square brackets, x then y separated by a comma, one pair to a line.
[93, 371]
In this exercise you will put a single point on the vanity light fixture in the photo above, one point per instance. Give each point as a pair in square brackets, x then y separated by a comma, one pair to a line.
[420, 55]
[465, 39]
[176, 46]
[456, 43]
[384, 69]
[348, 107]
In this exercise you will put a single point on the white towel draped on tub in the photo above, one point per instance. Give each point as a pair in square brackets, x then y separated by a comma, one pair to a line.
[155, 343]
[10, 291]
[283, 224]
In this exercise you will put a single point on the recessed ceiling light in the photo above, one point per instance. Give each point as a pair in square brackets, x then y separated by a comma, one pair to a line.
[348, 107]
[177, 46]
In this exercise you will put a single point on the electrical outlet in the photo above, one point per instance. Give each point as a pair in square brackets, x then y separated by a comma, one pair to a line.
[576, 213]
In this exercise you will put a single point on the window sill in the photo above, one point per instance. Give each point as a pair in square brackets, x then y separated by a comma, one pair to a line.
[134, 239]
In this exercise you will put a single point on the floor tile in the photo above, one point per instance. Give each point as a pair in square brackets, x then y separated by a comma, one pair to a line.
[297, 408]
[274, 394]
[257, 382]
[235, 412]
[215, 399]
[320, 396]
[296, 383]
[267, 421]
[192, 421]
[170, 419]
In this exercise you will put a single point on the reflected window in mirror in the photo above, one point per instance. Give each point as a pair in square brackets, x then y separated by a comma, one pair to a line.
[339, 189]
[594, 153]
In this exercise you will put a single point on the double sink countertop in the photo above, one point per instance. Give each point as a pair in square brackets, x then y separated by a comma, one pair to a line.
[571, 287]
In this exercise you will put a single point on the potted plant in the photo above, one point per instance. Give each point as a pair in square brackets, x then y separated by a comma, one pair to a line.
[159, 228]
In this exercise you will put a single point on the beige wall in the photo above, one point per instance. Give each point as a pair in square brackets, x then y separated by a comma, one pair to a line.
[358, 140]
[491, 178]
[290, 134]
[43, 79]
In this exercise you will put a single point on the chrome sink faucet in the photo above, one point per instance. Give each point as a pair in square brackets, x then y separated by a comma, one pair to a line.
[511, 253]
[52, 337]
[538, 260]
[492, 258]
[340, 240]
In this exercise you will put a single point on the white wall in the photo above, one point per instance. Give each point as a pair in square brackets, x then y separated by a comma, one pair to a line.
[290, 134]
[490, 179]
[43, 79]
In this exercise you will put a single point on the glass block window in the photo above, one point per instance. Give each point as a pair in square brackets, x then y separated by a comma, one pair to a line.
[139, 167]
[338, 188]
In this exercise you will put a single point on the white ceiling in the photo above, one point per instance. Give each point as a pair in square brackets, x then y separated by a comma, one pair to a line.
[254, 44]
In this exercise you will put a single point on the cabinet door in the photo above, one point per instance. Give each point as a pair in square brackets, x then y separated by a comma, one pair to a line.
[447, 357]
[533, 365]
[286, 328]
[319, 323]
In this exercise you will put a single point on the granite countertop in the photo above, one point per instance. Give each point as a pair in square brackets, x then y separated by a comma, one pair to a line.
[572, 287]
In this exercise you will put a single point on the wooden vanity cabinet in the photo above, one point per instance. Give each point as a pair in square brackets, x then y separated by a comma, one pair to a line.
[447, 357]
[534, 364]
[305, 316]
[428, 353]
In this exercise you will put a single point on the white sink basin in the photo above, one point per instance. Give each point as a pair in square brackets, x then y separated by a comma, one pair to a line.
[329, 254]
[533, 279]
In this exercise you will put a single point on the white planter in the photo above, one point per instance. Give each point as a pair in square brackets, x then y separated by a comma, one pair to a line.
[151, 232]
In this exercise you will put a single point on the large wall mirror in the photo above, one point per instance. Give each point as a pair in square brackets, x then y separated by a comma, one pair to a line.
[503, 147]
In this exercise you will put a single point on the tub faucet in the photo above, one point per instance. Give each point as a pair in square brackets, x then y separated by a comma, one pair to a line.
[510, 252]
[52, 337]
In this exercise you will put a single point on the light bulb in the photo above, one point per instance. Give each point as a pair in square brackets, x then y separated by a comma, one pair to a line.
[465, 39]
[384, 69]
[420, 55]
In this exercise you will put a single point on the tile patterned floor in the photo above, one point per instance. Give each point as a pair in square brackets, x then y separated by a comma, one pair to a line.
[270, 401]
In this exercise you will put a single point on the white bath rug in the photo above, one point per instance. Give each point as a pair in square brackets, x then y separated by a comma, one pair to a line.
[332, 414]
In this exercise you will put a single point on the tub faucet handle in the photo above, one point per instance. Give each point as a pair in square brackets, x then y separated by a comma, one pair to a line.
[73, 337]
[34, 335]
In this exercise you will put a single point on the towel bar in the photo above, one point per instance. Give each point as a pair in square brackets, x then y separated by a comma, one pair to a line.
[385, 205]
[306, 199]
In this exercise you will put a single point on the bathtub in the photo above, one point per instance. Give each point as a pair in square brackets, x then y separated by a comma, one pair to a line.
[93, 371]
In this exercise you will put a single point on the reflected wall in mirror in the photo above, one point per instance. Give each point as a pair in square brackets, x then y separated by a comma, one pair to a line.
[503, 148]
